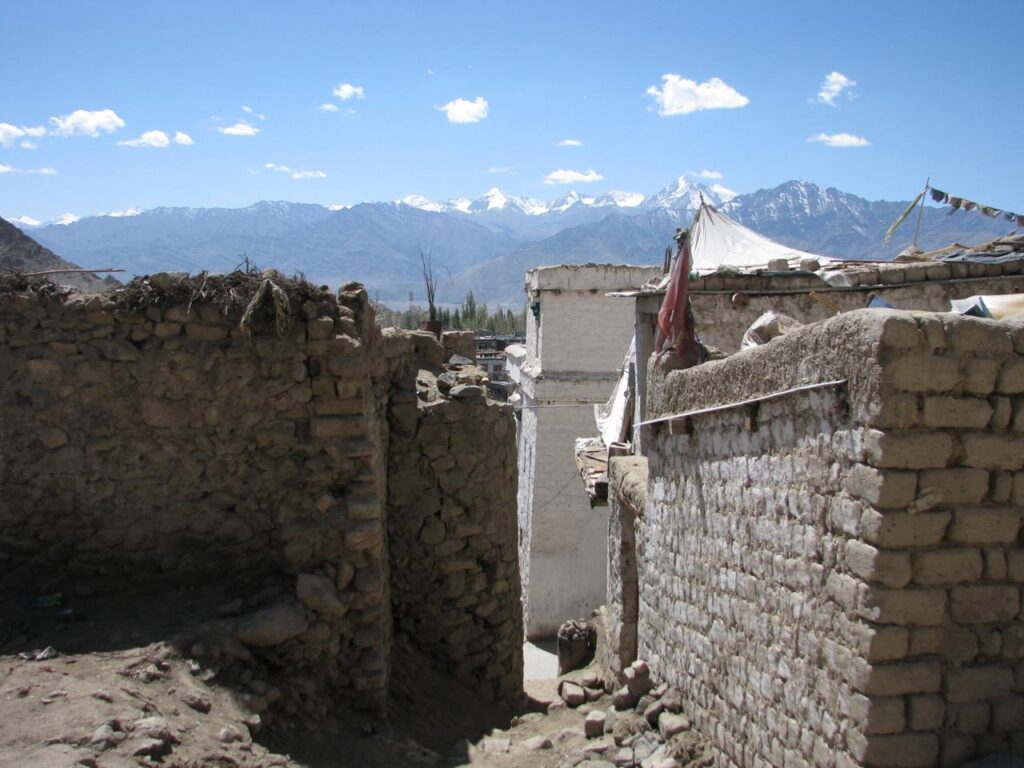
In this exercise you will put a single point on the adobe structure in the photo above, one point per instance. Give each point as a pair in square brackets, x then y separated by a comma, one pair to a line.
[819, 541]
[261, 437]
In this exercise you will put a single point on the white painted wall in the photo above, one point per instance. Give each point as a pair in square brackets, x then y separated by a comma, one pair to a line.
[574, 349]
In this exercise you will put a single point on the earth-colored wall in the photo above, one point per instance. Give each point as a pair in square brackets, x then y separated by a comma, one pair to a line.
[453, 537]
[148, 442]
[834, 577]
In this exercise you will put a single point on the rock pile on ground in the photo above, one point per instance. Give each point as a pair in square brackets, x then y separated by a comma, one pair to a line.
[645, 726]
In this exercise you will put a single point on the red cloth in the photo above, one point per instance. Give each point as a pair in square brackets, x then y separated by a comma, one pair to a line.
[672, 318]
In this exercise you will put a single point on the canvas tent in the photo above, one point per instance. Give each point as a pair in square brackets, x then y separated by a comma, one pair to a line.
[716, 241]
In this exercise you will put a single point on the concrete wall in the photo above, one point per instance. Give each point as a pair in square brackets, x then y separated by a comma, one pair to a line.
[574, 349]
[146, 441]
[833, 578]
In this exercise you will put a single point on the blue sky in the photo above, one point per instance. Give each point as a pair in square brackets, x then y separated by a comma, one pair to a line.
[936, 93]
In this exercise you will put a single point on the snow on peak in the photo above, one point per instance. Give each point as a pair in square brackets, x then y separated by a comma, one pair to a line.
[27, 222]
[496, 199]
[567, 201]
[620, 199]
[461, 204]
[122, 214]
[724, 193]
[337, 207]
[423, 203]
[65, 219]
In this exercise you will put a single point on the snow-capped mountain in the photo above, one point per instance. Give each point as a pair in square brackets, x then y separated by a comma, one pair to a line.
[486, 243]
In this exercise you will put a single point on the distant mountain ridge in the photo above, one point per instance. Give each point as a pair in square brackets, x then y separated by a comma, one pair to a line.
[20, 252]
[486, 244]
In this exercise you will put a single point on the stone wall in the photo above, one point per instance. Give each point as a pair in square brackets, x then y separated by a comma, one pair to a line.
[453, 538]
[148, 442]
[627, 499]
[833, 576]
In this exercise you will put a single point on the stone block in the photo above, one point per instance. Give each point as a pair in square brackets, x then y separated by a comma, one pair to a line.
[947, 566]
[992, 681]
[908, 450]
[1002, 412]
[985, 525]
[905, 750]
[902, 678]
[888, 567]
[977, 336]
[980, 375]
[887, 489]
[879, 714]
[1015, 564]
[925, 712]
[995, 564]
[980, 604]
[900, 331]
[1011, 377]
[903, 529]
[1008, 714]
[337, 427]
[966, 412]
[922, 373]
[904, 606]
[972, 717]
[886, 643]
[960, 485]
[893, 411]
[205, 332]
[990, 451]
[155, 412]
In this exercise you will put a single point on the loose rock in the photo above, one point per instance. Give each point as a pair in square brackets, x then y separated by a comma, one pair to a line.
[593, 725]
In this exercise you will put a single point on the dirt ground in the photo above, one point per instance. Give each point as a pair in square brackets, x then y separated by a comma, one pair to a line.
[106, 690]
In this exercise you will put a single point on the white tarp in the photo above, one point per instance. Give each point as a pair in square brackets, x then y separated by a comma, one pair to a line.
[612, 418]
[718, 241]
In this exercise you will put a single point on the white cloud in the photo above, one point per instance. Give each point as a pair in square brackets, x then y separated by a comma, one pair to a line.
[241, 128]
[347, 91]
[679, 96]
[570, 143]
[840, 140]
[27, 144]
[11, 133]
[461, 111]
[158, 139]
[248, 111]
[294, 173]
[834, 84]
[706, 174]
[562, 176]
[723, 192]
[42, 171]
[328, 107]
[502, 169]
[87, 123]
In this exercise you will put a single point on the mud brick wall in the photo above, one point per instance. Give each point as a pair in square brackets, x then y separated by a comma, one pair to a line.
[627, 498]
[162, 446]
[834, 577]
[923, 286]
[453, 538]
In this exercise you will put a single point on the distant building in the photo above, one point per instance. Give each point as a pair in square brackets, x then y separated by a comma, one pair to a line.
[576, 336]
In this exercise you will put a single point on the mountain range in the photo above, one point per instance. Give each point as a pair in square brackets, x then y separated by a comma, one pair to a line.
[484, 245]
